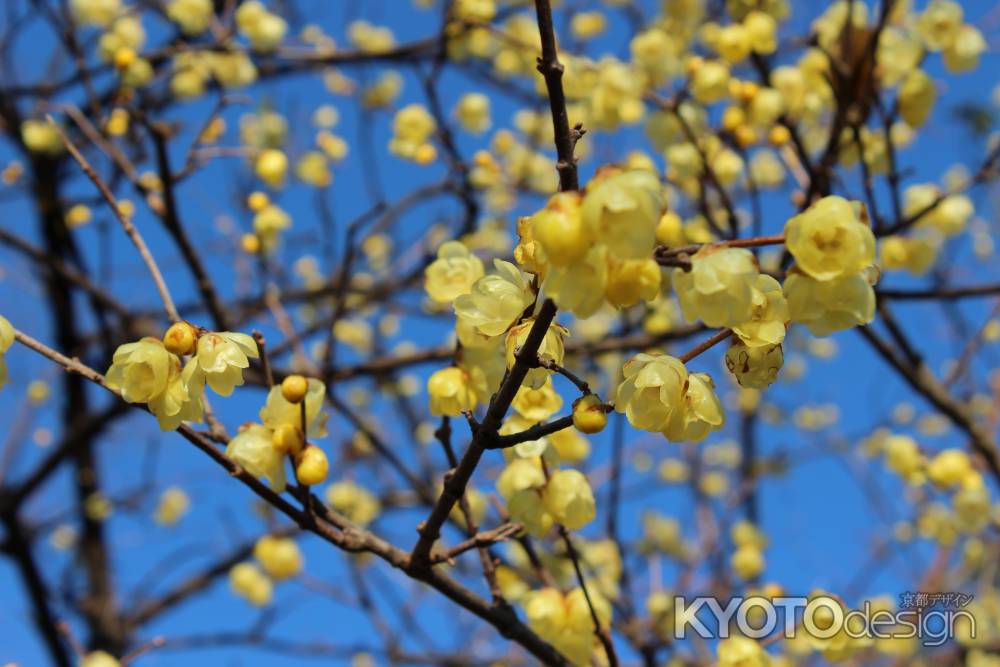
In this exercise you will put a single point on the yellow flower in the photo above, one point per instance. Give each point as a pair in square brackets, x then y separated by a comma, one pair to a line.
[314, 169]
[902, 456]
[251, 584]
[6, 340]
[271, 166]
[719, 287]
[741, 652]
[762, 29]
[253, 450]
[829, 306]
[916, 97]
[497, 300]
[264, 29]
[766, 326]
[939, 24]
[280, 557]
[141, 371]
[452, 274]
[473, 112]
[963, 54]
[569, 499]
[622, 209]
[99, 659]
[949, 467]
[632, 280]
[913, 254]
[222, 356]
[589, 415]
[755, 367]
[710, 82]
[412, 129]
[520, 484]
[173, 505]
[734, 43]
[579, 287]
[652, 393]
[560, 230]
[40, 137]
[279, 411]
[537, 404]
[829, 241]
[702, 412]
[311, 466]
[95, 12]
[355, 502]
[551, 348]
[192, 16]
[180, 401]
[451, 392]
[546, 612]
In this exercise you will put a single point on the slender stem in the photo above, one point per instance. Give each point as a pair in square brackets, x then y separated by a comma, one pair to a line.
[130, 229]
[706, 345]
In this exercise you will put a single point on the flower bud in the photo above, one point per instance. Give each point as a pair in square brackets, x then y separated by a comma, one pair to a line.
[312, 466]
[294, 388]
[181, 338]
[589, 415]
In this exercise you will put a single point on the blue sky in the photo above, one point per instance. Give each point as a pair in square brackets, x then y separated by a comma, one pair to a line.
[820, 517]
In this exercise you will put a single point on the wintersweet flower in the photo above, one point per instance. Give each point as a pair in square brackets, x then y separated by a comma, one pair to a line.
[710, 82]
[631, 281]
[939, 23]
[99, 659]
[569, 499]
[829, 306]
[278, 411]
[473, 112]
[253, 450]
[173, 505]
[180, 401]
[622, 209]
[701, 414]
[520, 484]
[769, 314]
[355, 502]
[95, 12]
[451, 392]
[718, 289]
[560, 230]
[496, 301]
[141, 371]
[829, 240]
[452, 274]
[264, 29]
[755, 367]
[279, 557]
[222, 357]
[413, 127]
[589, 414]
[251, 584]
[552, 348]
[949, 467]
[537, 404]
[192, 16]
[6, 340]
[963, 54]
[652, 393]
[914, 254]
[579, 287]
[742, 652]
[916, 97]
